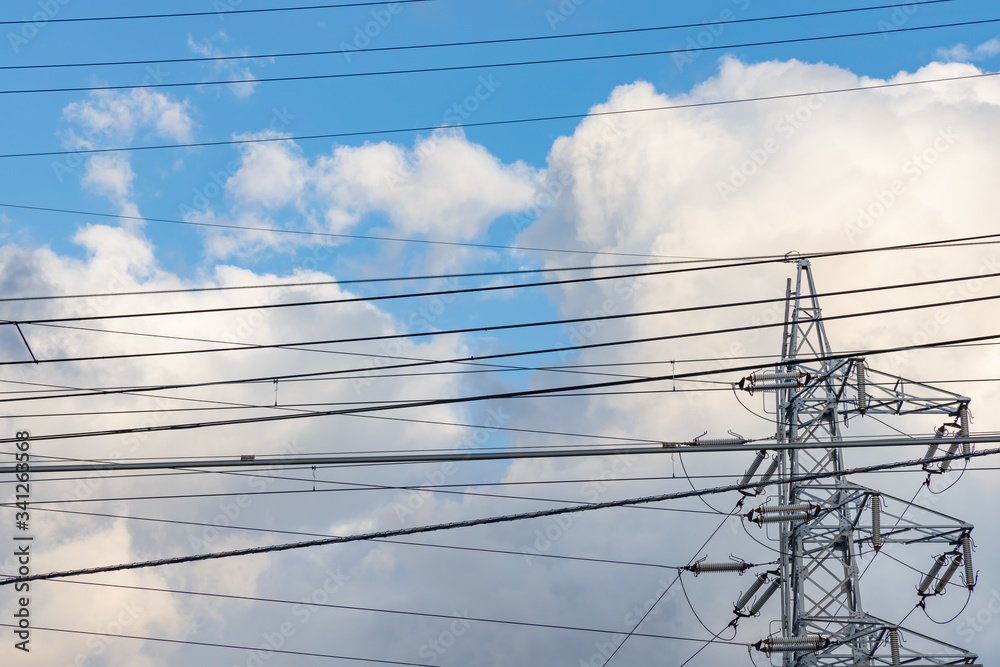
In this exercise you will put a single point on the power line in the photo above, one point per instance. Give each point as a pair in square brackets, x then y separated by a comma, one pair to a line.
[410, 613]
[455, 455]
[493, 123]
[251, 649]
[356, 281]
[300, 346]
[629, 380]
[229, 494]
[358, 608]
[228, 405]
[547, 283]
[466, 455]
[227, 12]
[255, 529]
[488, 520]
[477, 42]
[304, 233]
[454, 547]
[358, 299]
[477, 66]
[445, 401]
[254, 650]
[633, 631]
[304, 406]
[434, 422]
[959, 242]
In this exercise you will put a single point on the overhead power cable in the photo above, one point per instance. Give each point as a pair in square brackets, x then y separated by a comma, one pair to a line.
[374, 405]
[357, 299]
[418, 362]
[228, 11]
[478, 66]
[230, 405]
[477, 42]
[494, 288]
[302, 346]
[972, 240]
[275, 531]
[493, 123]
[254, 650]
[250, 649]
[247, 406]
[474, 455]
[288, 492]
[677, 578]
[247, 598]
[442, 401]
[358, 281]
[314, 234]
[405, 543]
[361, 537]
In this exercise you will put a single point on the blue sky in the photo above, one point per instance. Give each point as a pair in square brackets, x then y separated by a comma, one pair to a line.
[171, 183]
[812, 172]
[173, 178]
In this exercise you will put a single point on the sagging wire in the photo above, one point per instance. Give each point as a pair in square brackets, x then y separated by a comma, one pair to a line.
[680, 580]
[667, 588]
[687, 476]
[751, 471]
[715, 636]
[927, 482]
[747, 408]
[763, 544]
[960, 611]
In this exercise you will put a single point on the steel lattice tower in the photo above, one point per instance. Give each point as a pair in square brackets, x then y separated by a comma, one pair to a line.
[824, 525]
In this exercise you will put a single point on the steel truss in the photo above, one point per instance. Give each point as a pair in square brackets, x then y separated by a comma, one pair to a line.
[824, 526]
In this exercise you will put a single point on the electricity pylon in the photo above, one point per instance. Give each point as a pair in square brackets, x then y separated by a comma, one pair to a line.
[826, 525]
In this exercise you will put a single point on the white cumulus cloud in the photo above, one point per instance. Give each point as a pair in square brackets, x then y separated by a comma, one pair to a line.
[444, 187]
[108, 119]
[961, 52]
